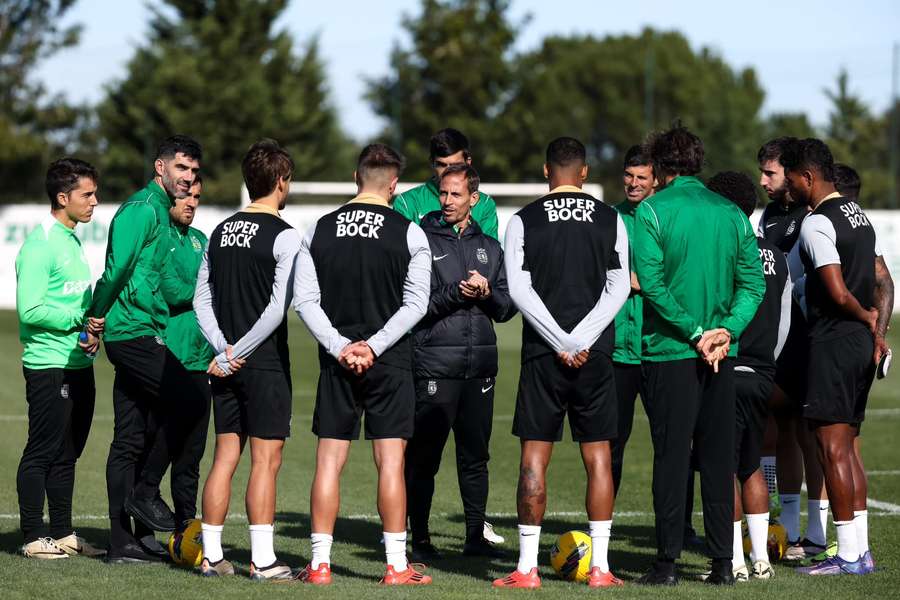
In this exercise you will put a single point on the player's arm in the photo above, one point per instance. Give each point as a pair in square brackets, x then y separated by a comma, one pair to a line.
[128, 233]
[499, 305]
[33, 266]
[884, 302]
[416, 288]
[614, 294]
[784, 320]
[524, 295]
[445, 298]
[203, 307]
[176, 291]
[749, 282]
[818, 239]
[308, 297]
[648, 259]
[284, 251]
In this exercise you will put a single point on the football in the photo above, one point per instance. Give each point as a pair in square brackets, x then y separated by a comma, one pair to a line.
[570, 556]
[777, 541]
[186, 547]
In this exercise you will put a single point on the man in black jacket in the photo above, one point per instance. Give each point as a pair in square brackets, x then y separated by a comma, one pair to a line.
[455, 361]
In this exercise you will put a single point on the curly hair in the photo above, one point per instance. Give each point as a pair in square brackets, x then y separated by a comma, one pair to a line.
[675, 152]
[737, 187]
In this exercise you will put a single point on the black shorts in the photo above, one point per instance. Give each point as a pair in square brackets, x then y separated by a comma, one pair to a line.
[386, 394]
[840, 375]
[253, 402]
[548, 390]
[790, 372]
[752, 391]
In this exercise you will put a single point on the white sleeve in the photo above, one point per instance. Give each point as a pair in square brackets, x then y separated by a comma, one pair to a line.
[878, 249]
[784, 323]
[284, 251]
[307, 298]
[203, 307]
[416, 290]
[761, 226]
[613, 296]
[818, 240]
[524, 295]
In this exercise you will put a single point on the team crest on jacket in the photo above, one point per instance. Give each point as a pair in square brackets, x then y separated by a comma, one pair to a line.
[481, 255]
[432, 387]
[196, 243]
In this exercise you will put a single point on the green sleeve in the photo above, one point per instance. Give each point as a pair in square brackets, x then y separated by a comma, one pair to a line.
[128, 233]
[33, 266]
[649, 266]
[749, 283]
[485, 214]
[176, 291]
[404, 205]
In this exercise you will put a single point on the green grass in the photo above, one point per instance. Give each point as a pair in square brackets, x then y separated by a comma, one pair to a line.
[357, 555]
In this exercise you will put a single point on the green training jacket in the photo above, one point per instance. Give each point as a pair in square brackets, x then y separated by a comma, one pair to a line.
[421, 200]
[630, 317]
[697, 262]
[127, 293]
[179, 278]
[53, 289]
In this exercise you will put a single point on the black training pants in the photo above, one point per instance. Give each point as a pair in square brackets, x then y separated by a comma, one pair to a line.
[146, 374]
[60, 411]
[181, 442]
[628, 386]
[685, 401]
[467, 407]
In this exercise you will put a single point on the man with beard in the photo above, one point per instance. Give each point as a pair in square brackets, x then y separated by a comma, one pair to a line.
[127, 296]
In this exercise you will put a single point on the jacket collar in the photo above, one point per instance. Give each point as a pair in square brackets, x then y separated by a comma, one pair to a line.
[368, 198]
[683, 180]
[159, 194]
[572, 189]
[257, 207]
[433, 222]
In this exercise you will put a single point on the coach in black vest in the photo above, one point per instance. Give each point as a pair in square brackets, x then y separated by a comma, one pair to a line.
[455, 361]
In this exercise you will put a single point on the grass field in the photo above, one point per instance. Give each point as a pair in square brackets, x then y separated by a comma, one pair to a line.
[357, 555]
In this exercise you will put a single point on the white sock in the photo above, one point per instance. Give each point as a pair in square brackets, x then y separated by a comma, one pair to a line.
[262, 550]
[529, 544]
[737, 547]
[321, 549]
[212, 542]
[395, 550]
[818, 521]
[861, 521]
[848, 545]
[790, 515]
[770, 473]
[758, 528]
[600, 532]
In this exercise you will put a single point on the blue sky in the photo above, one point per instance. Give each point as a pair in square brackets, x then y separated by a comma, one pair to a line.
[796, 47]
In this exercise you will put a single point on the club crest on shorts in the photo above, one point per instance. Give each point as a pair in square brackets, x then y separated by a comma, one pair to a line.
[481, 255]
[64, 391]
[159, 340]
[432, 387]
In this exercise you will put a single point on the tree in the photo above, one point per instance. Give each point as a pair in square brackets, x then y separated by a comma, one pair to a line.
[216, 70]
[31, 132]
[611, 92]
[456, 73]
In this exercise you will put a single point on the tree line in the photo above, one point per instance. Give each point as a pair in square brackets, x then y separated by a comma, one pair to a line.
[219, 70]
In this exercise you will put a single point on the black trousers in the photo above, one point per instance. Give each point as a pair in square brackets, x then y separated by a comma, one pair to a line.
[146, 375]
[60, 411]
[628, 386]
[467, 407]
[685, 401]
[181, 442]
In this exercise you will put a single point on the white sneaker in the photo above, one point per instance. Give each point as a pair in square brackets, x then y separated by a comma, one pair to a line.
[762, 570]
[44, 548]
[741, 574]
[491, 536]
[72, 545]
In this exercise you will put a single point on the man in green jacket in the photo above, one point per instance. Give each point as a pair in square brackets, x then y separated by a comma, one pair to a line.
[183, 440]
[698, 265]
[448, 147]
[128, 296]
[639, 184]
[53, 288]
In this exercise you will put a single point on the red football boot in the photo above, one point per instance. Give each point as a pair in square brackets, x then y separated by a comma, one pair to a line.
[408, 577]
[597, 578]
[530, 580]
[318, 576]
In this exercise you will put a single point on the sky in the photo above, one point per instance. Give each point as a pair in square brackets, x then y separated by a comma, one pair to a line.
[797, 47]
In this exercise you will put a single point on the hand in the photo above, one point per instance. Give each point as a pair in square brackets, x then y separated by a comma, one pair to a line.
[95, 325]
[871, 319]
[214, 369]
[91, 345]
[881, 348]
[635, 285]
[475, 287]
[575, 361]
[234, 364]
[713, 346]
[357, 357]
